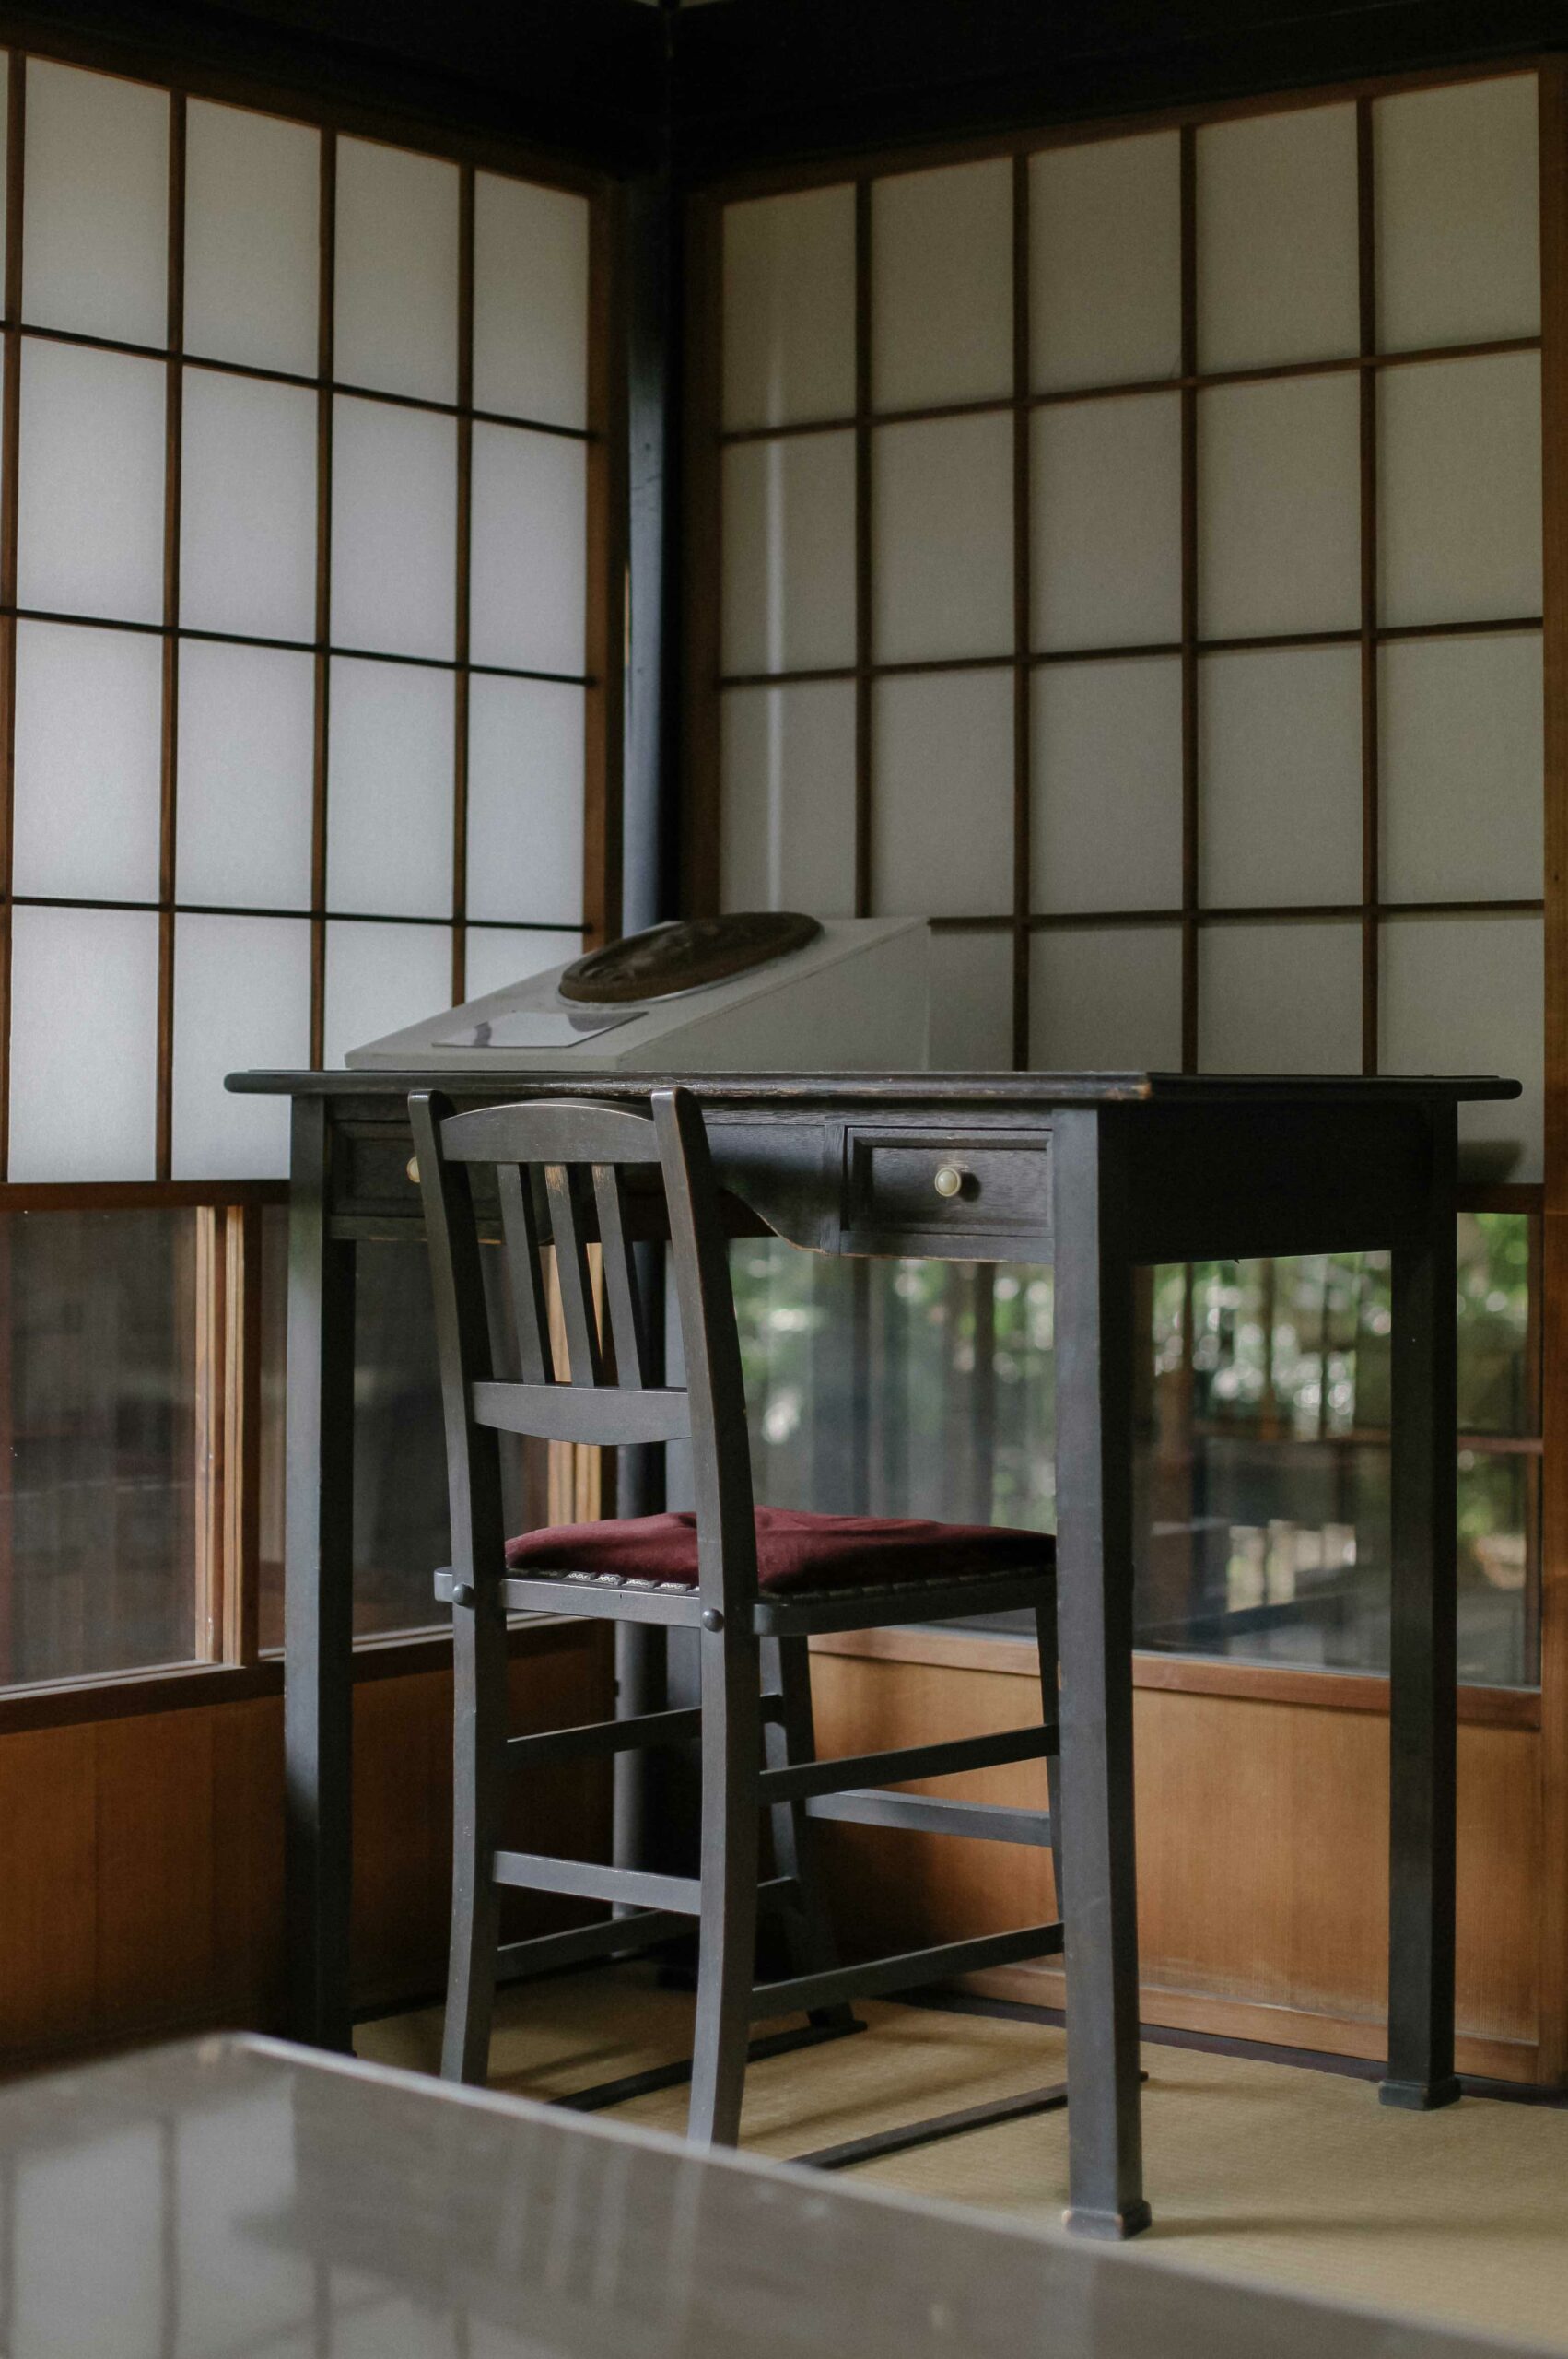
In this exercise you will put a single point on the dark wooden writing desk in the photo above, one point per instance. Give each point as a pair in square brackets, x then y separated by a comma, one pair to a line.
[1092, 1173]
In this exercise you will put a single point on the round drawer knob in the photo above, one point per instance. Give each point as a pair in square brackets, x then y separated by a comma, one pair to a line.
[412, 1167]
[949, 1181]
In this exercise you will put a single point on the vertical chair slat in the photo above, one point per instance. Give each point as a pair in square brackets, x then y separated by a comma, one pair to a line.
[519, 1231]
[622, 1300]
[566, 1186]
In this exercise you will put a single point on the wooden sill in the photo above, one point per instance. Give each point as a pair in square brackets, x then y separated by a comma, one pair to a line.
[1323, 1691]
[120, 1695]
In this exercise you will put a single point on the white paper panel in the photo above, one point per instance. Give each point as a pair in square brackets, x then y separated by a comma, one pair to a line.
[389, 790]
[530, 550]
[1105, 261]
[1458, 214]
[530, 301]
[1459, 445]
[1468, 995]
[1280, 998]
[1460, 789]
[1277, 239]
[1106, 781]
[789, 553]
[525, 750]
[790, 308]
[971, 1003]
[394, 529]
[943, 539]
[241, 1000]
[252, 243]
[248, 507]
[89, 733]
[246, 734]
[91, 510]
[1280, 796]
[1279, 507]
[396, 285]
[501, 955]
[788, 828]
[381, 978]
[1107, 523]
[941, 802]
[941, 286]
[84, 984]
[95, 247]
[1106, 998]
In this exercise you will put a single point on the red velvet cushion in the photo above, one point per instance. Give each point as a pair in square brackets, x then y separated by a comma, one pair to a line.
[794, 1551]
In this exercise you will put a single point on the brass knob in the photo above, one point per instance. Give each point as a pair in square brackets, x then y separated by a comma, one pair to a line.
[949, 1181]
[412, 1167]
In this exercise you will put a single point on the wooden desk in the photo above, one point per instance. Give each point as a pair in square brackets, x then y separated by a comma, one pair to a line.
[238, 2199]
[1092, 1173]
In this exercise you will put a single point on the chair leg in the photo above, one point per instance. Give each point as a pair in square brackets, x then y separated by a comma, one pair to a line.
[1050, 1699]
[479, 1772]
[787, 1666]
[732, 1746]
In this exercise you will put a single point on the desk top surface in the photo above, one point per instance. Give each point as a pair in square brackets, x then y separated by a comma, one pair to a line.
[860, 1091]
[239, 2197]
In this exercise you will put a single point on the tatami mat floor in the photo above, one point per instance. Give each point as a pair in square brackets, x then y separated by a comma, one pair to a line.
[1289, 2177]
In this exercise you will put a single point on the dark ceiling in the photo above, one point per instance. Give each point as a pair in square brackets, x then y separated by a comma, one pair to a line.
[615, 81]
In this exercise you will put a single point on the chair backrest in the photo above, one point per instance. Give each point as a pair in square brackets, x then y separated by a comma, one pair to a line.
[559, 1172]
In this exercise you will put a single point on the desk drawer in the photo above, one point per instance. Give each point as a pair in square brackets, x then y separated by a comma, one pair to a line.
[900, 1187]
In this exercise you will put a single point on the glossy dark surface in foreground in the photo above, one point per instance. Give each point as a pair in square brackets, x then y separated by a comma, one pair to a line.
[242, 2198]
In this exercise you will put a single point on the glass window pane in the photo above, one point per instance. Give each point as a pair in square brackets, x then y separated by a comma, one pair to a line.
[248, 507]
[943, 527]
[381, 978]
[90, 507]
[1499, 1376]
[252, 238]
[525, 755]
[1106, 998]
[787, 832]
[1279, 507]
[89, 751]
[96, 236]
[498, 955]
[396, 283]
[242, 1000]
[1106, 525]
[1280, 731]
[1280, 998]
[1107, 785]
[1461, 784]
[247, 757]
[1458, 214]
[941, 804]
[530, 301]
[100, 1472]
[530, 576]
[971, 1001]
[394, 529]
[790, 308]
[941, 286]
[401, 1528]
[1465, 995]
[88, 978]
[1458, 474]
[1278, 238]
[389, 793]
[1105, 261]
[789, 554]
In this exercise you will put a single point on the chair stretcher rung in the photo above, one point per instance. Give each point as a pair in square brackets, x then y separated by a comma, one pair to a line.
[587, 1879]
[904, 1972]
[803, 1779]
[981, 1822]
[597, 1737]
[620, 1937]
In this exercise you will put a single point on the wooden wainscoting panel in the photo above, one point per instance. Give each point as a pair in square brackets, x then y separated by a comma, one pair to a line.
[156, 1840]
[247, 1882]
[48, 1873]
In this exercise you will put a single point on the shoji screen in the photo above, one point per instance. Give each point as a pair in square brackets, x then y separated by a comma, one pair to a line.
[294, 567]
[1131, 559]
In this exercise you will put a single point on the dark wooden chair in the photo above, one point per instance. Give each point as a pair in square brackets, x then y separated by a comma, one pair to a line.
[752, 1584]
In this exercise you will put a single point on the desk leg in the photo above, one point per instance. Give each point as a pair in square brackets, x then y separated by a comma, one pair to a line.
[1094, 1362]
[318, 1596]
[1423, 1737]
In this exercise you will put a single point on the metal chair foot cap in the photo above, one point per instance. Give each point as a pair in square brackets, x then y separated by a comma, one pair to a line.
[1420, 2096]
[1107, 2226]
